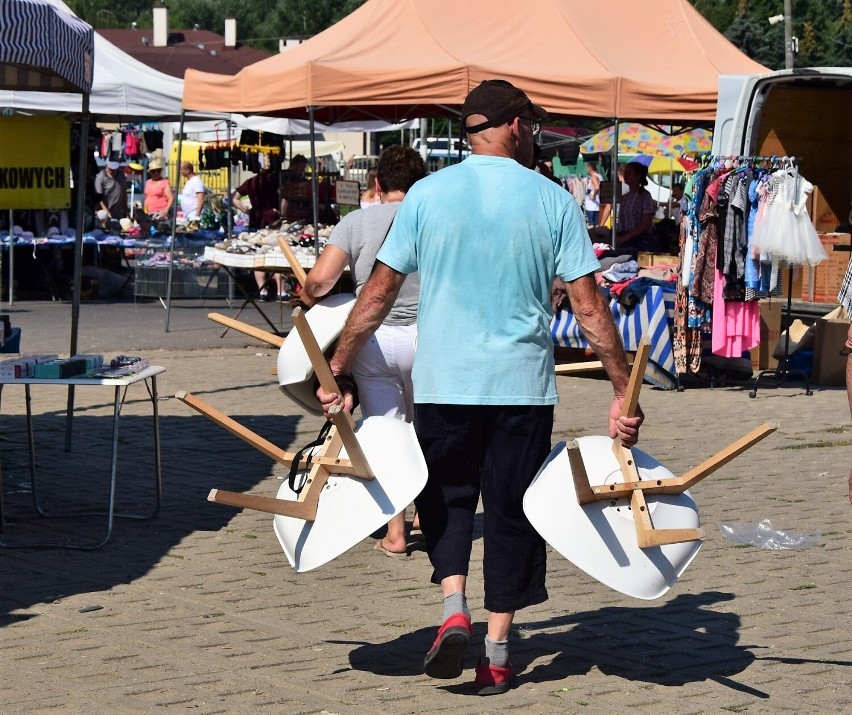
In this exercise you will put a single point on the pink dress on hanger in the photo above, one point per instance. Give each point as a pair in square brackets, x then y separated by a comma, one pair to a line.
[736, 324]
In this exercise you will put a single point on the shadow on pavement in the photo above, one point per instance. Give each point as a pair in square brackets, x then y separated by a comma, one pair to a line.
[196, 456]
[679, 642]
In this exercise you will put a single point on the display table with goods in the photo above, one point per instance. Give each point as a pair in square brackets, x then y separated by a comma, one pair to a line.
[649, 313]
[287, 251]
[193, 276]
[42, 266]
[85, 371]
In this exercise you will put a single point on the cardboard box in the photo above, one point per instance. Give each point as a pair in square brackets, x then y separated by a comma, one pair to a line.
[770, 331]
[823, 216]
[649, 260]
[23, 366]
[828, 275]
[60, 369]
[93, 361]
[829, 365]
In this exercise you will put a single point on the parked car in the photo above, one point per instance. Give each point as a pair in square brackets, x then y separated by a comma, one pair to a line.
[440, 151]
[358, 166]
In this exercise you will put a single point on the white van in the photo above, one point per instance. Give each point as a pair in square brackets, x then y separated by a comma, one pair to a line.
[806, 113]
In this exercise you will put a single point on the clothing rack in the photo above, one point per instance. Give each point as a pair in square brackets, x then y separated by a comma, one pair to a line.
[758, 162]
[774, 161]
[262, 148]
[780, 374]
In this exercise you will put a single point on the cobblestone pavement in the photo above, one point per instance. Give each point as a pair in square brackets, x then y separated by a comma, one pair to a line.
[199, 610]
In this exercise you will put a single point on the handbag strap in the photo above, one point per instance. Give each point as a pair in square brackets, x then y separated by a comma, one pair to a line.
[297, 459]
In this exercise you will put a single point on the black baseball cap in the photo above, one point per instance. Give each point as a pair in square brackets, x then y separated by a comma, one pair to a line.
[500, 101]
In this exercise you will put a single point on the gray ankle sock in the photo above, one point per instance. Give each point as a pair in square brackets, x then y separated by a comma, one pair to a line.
[495, 653]
[455, 603]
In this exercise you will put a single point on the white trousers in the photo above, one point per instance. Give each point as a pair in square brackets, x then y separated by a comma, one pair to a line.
[382, 371]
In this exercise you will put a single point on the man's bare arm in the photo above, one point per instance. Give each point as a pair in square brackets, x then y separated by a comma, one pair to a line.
[593, 315]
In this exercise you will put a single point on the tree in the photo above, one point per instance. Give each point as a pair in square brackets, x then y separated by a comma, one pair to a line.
[259, 24]
[825, 37]
[751, 38]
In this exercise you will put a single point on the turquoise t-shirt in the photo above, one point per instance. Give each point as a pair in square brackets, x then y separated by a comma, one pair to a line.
[487, 237]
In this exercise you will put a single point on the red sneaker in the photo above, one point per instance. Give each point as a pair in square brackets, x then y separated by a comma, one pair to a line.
[444, 659]
[492, 679]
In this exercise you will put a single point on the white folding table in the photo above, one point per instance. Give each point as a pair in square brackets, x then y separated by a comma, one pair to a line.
[149, 377]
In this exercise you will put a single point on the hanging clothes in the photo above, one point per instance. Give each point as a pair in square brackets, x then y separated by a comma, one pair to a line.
[736, 324]
[742, 221]
[786, 232]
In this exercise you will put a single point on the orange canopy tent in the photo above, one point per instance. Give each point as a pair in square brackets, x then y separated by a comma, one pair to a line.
[397, 59]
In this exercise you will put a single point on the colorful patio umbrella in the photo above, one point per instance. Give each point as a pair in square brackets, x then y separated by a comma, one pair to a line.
[636, 138]
[696, 141]
[663, 164]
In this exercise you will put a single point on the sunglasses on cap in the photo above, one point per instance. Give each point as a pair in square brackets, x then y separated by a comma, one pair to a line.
[535, 124]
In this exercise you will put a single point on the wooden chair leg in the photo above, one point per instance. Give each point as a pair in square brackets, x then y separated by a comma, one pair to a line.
[334, 463]
[267, 337]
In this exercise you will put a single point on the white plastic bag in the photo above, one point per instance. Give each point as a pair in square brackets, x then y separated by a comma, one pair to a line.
[764, 536]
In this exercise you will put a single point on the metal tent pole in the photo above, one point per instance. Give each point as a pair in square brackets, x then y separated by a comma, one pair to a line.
[230, 225]
[615, 183]
[81, 180]
[82, 170]
[11, 258]
[174, 222]
[314, 181]
[228, 204]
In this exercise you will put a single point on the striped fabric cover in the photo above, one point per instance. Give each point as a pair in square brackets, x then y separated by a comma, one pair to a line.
[43, 48]
[844, 295]
[652, 316]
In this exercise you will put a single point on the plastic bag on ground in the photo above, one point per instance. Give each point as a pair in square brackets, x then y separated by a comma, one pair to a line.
[764, 536]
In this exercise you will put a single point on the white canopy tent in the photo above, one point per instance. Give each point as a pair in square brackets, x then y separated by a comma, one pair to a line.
[33, 32]
[48, 50]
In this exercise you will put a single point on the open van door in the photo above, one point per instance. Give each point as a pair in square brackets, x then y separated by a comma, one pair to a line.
[803, 113]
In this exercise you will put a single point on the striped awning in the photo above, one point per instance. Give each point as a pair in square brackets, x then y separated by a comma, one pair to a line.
[44, 49]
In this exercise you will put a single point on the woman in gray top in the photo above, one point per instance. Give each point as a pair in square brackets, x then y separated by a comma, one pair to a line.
[382, 370]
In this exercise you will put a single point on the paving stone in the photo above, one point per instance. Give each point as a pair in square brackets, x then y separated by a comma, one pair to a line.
[201, 610]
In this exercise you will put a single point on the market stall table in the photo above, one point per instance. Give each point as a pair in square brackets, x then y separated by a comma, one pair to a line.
[651, 316]
[270, 262]
[46, 263]
[149, 377]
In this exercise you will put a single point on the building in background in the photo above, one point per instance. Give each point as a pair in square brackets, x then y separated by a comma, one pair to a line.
[173, 51]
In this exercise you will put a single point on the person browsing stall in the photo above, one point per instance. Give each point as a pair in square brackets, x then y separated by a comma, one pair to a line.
[264, 210]
[295, 191]
[484, 380]
[370, 196]
[592, 199]
[636, 211]
[680, 204]
[382, 368]
[158, 192]
[192, 194]
[111, 190]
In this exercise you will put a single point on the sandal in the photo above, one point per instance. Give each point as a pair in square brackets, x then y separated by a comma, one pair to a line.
[387, 552]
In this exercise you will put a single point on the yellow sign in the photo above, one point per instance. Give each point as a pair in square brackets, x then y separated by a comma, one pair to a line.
[35, 159]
